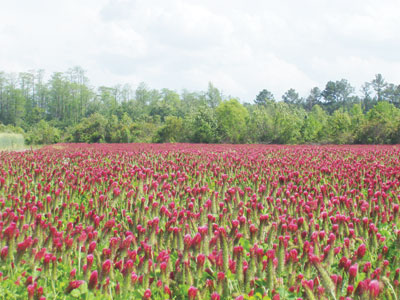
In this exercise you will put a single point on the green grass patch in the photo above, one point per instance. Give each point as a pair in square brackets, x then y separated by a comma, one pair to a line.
[11, 141]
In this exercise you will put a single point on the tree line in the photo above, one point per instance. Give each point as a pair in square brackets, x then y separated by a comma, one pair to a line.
[66, 108]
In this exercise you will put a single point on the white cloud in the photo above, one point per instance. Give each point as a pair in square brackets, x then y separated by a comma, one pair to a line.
[242, 47]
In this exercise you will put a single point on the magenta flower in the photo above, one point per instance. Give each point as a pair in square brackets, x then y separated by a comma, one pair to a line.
[374, 289]
[147, 294]
[192, 293]
[93, 280]
[361, 250]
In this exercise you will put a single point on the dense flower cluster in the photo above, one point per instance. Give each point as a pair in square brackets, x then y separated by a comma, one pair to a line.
[185, 221]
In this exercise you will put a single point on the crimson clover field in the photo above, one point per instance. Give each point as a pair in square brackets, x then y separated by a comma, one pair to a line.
[184, 221]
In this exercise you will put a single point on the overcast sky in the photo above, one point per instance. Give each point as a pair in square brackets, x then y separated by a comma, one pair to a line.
[240, 46]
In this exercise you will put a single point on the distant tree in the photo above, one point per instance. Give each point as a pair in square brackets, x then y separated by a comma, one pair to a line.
[260, 125]
[192, 101]
[203, 125]
[108, 101]
[264, 97]
[213, 96]
[392, 94]
[314, 126]
[382, 124]
[336, 94]
[90, 130]
[72, 110]
[379, 84]
[357, 120]
[366, 99]
[145, 99]
[112, 130]
[339, 127]
[143, 131]
[168, 105]
[43, 133]
[172, 131]
[313, 98]
[291, 97]
[287, 124]
[232, 117]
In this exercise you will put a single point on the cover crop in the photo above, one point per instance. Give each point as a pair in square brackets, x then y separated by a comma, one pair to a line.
[142, 221]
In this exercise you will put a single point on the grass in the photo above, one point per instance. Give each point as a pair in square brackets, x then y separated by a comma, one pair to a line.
[14, 142]
[11, 141]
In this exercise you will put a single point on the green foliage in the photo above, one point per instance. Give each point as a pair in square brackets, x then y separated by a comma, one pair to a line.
[213, 96]
[339, 127]
[382, 124]
[172, 131]
[315, 123]
[90, 130]
[144, 131]
[118, 131]
[291, 97]
[43, 134]
[10, 129]
[232, 117]
[264, 97]
[336, 94]
[202, 125]
[260, 125]
[67, 108]
[287, 124]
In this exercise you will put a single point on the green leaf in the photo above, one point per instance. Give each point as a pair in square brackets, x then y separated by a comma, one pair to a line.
[245, 243]
[76, 293]
[83, 288]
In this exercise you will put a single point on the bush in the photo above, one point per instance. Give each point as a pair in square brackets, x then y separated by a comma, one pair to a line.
[90, 130]
[43, 134]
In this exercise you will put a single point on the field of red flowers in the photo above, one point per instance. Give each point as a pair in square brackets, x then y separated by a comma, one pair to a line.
[139, 221]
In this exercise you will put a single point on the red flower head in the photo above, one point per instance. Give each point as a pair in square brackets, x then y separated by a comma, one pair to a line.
[215, 296]
[362, 287]
[374, 289]
[116, 192]
[72, 274]
[201, 258]
[163, 266]
[89, 259]
[147, 294]
[221, 276]
[187, 240]
[93, 280]
[353, 271]
[73, 285]
[361, 250]
[276, 297]
[31, 291]
[105, 268]
[350, 290]
[253, 229]
[4, 252]
[92, 247]
[270, 254]
[192, 292]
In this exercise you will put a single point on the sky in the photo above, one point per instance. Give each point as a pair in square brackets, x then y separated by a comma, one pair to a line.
[241, 47]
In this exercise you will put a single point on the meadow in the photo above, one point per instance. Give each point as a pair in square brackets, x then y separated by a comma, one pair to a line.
[11, 141]
[186, 221]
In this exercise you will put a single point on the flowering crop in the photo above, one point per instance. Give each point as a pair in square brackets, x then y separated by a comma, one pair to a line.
[142, 221]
